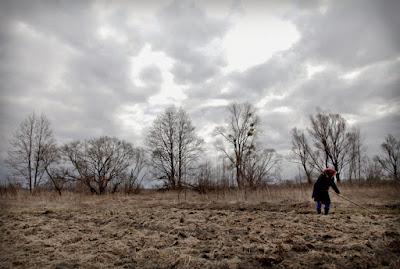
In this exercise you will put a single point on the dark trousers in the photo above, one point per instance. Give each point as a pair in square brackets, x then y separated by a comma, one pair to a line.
[326, 208]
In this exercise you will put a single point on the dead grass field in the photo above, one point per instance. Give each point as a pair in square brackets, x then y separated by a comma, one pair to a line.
[275, 228]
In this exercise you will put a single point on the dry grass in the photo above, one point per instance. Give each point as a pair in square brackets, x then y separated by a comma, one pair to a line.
[274, 228]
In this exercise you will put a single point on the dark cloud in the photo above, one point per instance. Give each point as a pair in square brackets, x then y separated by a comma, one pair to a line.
[51, 51]
[53, 61]
[375, 130]
[73, 61]
[350, 33]
[151, 75]
[185, 31]
[274, 76]
[72, 23]
[343, 37]
[329, 90]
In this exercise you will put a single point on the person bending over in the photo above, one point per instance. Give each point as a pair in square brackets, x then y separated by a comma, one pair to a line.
[321, 187]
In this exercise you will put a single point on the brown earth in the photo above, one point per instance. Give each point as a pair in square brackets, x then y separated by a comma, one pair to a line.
[155, 230]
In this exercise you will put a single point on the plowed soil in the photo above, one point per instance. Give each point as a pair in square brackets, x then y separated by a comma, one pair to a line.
[149, 231]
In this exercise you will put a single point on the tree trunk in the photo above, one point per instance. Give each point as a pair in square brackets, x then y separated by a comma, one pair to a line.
[173, 179]
[308, 174]
[238, 180]
[30, 165]
[326, 160]
[350, 173]
[180, 168]
[309, 179]
[56, 186]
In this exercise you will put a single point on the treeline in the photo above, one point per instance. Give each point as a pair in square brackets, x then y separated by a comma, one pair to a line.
[173, 155]
[329, 142]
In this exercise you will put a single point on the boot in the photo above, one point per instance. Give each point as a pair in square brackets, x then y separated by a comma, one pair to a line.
[326, 210]
[318, 210]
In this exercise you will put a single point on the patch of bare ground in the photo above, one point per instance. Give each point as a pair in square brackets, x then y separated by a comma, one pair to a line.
[156, 230]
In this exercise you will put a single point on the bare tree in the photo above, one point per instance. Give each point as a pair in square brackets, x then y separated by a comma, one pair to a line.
[174, 147]
[31, 145]
[354, 154]
[189, 146]
[224, 174]
[319, 132]
[55, 170]
[328, 132]
[205, 178]
[390, 157]
[260, 167]
[137, 173]
[239, 135]
[302, 153]
[99, 161]
[161, 144]
[372, 170]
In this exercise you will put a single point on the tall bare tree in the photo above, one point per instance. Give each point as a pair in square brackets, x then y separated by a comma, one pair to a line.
[174, 147]
[328, 132]
[260, 166]
[99, 161]
[355, 152]
[189, 146]
[239, 135]
[390, 157]
[32, 144]
[302, 153]
[161, 144]
[319, 132]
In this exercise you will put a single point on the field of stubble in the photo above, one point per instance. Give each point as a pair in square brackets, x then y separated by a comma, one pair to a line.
[269, 229]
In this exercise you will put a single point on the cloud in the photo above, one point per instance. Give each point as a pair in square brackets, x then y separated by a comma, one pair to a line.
[332, 36]
[151, 75]
[186, 33]
[350, 33]
[53, 61]
[108, 68]
[275, 75]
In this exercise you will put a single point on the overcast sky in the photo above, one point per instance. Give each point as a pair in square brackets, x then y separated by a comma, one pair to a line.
[109, 67]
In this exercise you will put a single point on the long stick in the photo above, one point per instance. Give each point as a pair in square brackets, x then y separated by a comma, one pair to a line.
[347, 199]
